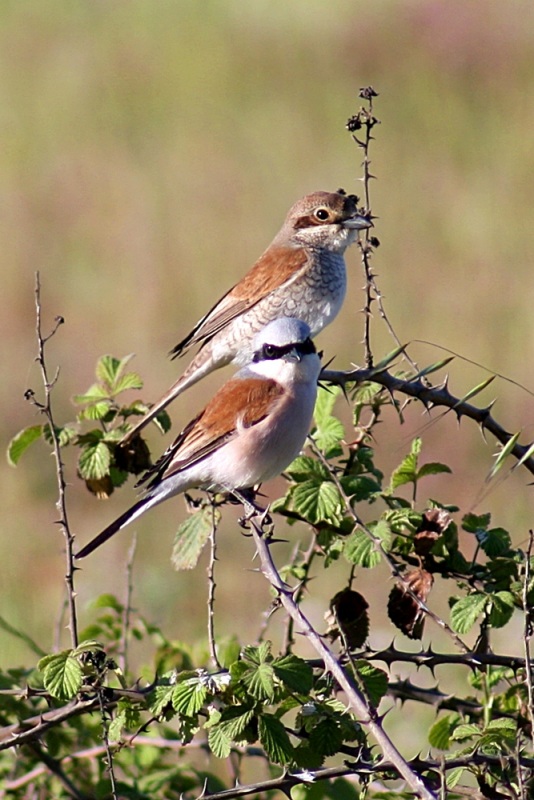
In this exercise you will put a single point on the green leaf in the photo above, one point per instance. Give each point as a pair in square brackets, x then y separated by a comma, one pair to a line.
[466, 611]
[440, 733]
[108, 368]
[329, 435]
[386, 361]
[294, 672]
[433, 368]
[454, 776]
[95, 394]
[374, 680]
[495, 542]
[162, 421]
[501, 609]
[326, 737]
[94, 461]
[275, 740]
[129, 381]
[108, 600]
[503, 455]
[361, 549]
[305, 467]
[504, 725]
[317, 501]
[191, 537]
[329, 431]
[259, 681]
[95, 411]
[110, 371]
[406, 472]
[228, 650]
[161, 698]
[472, 523]
[432, 468]
[463, 732]
[21, 442]
[116, 727]
[64, 435]
[234, 721]
[258, 655]
[189, 696]
[220, 743]
[476, 390]
[62, 674]
[324, 405]
[361, 487]
[526, 455]
[127, 717]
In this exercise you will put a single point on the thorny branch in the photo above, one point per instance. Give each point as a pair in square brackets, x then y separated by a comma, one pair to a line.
[432, 396]
[211, 587]
[46, 409]
[365, 712]
[528, 630]
[365, 119]
[104, 715]
[364, 770]
[127, 607]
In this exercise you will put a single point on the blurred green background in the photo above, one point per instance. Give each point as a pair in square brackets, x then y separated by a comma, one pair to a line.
[150, 152]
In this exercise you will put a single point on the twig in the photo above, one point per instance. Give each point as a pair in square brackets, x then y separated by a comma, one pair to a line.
[211, 588]
[431, 660]
[362, 769]
[61, 505]
[366, 119]
[54, 766]
[306, 564]
[105, 740]
[528, 630]
[434, 396]
[127, 607]
[369, 121]
[366, 714]
[34, 727]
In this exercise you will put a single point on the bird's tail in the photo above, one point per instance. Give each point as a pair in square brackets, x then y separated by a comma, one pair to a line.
[192, 374]
[135, 511]
[196, 370]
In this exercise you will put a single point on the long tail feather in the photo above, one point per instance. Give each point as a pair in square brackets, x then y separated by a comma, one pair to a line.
[121, 522]
[176, 389]
[201, 365]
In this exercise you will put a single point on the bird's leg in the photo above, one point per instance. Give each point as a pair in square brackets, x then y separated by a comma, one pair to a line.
[252, 510]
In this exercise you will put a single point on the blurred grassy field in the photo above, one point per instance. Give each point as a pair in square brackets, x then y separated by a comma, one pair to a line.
[150, 152]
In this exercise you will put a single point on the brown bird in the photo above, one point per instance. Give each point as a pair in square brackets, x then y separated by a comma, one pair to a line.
[250, 431]
[301, 274]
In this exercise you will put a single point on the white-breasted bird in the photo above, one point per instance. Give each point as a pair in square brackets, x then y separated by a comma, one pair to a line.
[250, 431]
[301, 274]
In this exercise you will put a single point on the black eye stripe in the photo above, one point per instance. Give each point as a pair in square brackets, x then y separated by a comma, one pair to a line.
[271, 352]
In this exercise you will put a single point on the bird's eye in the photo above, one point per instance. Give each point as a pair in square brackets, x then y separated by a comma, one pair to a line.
[270, 351]
[322, 214]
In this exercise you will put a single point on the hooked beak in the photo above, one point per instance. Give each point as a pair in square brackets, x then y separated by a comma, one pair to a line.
[293, 355]
[357, 222]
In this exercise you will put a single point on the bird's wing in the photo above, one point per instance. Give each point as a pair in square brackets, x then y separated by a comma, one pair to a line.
[278, 265]
[240, 403]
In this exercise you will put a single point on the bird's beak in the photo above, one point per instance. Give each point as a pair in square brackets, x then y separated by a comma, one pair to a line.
[293, 355]
[357, 222]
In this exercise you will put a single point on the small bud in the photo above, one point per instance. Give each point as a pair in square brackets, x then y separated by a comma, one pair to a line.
[354, 123]
[367, 92]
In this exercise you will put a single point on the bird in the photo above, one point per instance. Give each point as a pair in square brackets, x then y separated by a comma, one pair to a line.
[251, 430]
[301, 274]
